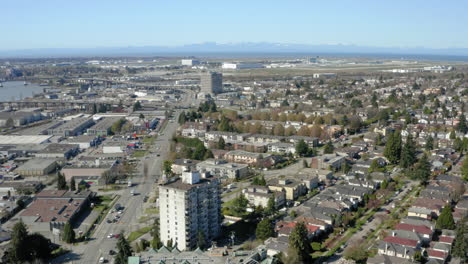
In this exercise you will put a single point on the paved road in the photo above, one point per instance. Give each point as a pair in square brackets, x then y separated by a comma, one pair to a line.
[374, 223]
[99, 245]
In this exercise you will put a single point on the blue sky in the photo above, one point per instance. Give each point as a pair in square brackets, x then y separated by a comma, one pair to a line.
[29, 24]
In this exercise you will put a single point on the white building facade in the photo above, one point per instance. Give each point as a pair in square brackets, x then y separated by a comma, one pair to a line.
[189, 205]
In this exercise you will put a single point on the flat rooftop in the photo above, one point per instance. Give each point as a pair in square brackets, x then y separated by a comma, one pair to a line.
[16, 140]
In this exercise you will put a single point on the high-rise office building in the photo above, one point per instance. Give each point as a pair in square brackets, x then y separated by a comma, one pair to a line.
[189, 205]
[211, 82]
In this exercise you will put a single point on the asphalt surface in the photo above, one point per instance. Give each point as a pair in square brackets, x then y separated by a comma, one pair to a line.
[99, 244]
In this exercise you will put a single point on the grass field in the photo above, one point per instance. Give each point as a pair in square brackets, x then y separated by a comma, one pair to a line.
[139, 153]
[136, 234]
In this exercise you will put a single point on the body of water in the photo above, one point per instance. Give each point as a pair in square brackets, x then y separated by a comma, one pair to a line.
[16, 90]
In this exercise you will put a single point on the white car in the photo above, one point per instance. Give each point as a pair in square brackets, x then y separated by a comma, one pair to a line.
[102, 260]
[110, 236]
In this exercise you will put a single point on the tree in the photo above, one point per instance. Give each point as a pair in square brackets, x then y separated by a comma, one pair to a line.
[462, 125]
[68, 234]
[9, 123]
[464, 169]
[375, 166]
[117, 126]
[182, 118]
[374, 100]
[392, 149]
[40, 248]
[445, 220]
[169, 243]
[156, 242]
[221, 144]
[72, 184]
[299, 242]
[259, 181]
[357, 253]
[422, 170]
[328, 149]
[452, 134]
[124, 250]
[429, 143]
[461, 240]
[408, 153]
[142, 116]
[61, 182]
[201, 240]
[302, 148]
[271, 206]
[137, 106]
[264, 229]
[167, 167]
[18, 252]
[239, 205]
[278, 130]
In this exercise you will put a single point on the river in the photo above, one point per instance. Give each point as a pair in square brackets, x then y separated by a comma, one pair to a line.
[16, 90]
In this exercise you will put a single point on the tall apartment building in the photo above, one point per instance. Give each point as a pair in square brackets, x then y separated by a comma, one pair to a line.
[211, 82]
[189, 205]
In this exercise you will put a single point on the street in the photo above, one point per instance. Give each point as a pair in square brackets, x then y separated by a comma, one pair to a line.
[99, 244]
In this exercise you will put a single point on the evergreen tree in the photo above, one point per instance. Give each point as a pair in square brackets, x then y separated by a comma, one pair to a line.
[445, 220]
[137, 106]
[374, 100]
[68, 234]
[221, 144]
[259, 181]
[72, 184]
[124, 250]
[422, 170]
[182, 118]
[452, 134]
[299, 242]
[264, 229]
[201, 240]
[408, 153]
[61, 182]
[460, 245]
[19, 249]
[271, 206]
[462, 124]
[302, 148]
[464, 169]
[392, 149]
[156, 242]
[328, 148]
[429, 143]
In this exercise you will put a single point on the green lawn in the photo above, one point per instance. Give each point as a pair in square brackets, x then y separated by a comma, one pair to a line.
[152, 210]
[139, 153]
[136, 234]
[149, 140]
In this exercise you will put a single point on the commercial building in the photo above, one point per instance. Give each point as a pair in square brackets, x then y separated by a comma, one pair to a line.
[16, 140]
[52, 209]
[37, 167]
[73, 127]
[102, 127]
[240, 66]
[211, 83]
[57, 150]
[189, 205]
[186, 62]
[19, 118]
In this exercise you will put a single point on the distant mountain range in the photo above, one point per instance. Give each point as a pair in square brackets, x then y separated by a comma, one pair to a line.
[246, 48]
